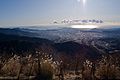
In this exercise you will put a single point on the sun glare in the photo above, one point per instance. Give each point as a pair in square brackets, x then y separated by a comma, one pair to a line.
[84, 2]
[84, 26]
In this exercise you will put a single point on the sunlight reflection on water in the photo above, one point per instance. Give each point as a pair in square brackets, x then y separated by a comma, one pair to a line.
[84, 26]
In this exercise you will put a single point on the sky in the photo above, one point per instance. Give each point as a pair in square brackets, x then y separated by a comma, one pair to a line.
[36, 12]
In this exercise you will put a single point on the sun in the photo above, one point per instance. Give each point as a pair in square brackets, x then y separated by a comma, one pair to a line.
[82, 1]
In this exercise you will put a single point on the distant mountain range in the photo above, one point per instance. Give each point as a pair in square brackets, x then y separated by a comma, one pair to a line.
[11, 43]
[66, 41]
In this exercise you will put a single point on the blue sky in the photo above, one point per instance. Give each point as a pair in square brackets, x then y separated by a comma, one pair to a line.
[35, 12]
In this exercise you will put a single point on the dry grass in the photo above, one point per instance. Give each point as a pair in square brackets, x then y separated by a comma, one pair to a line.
[27, 68]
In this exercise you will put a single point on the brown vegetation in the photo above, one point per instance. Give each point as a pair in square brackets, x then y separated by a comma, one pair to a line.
[44, 66]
